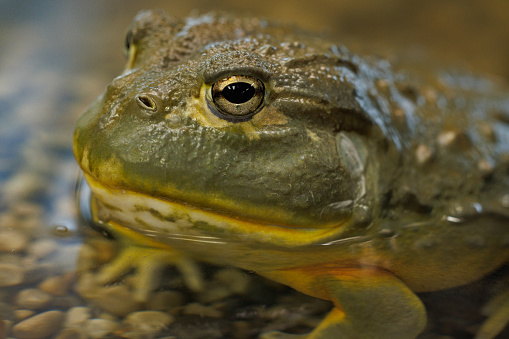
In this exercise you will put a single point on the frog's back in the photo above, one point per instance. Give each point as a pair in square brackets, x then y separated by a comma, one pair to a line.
[445, 205]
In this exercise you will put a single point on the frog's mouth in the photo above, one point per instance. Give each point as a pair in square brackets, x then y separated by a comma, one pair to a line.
[166, 218]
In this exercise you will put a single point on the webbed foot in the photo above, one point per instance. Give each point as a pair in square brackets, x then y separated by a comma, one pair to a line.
[148, 258]
[369, 303]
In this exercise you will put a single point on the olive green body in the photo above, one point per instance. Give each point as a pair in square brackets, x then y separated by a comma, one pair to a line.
[349, 161]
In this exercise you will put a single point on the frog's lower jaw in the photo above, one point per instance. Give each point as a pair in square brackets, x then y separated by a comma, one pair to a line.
[369, 302]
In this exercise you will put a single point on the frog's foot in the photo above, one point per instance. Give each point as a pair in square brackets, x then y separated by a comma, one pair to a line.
[497, 311]
[148, 258]
[148, 263]
[369, 303]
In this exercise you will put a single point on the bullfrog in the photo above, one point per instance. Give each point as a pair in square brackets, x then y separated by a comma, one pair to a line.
[355, 179]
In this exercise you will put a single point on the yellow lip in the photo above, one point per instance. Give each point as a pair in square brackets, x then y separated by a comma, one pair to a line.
[143, 212]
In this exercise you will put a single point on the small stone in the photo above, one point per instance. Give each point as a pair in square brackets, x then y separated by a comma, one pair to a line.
[77, 316]
[12, 241]
[453, 138]
[8, 220]
[423, 154]
[99, 328]
[39, 326]
[58, 285]
[202, 310]
[485, 167]
[117, 300]
[24, 210]
[33, 299]
[24, 185]
[23, 314]
[148, 323]
[11, 275]
[42, 248]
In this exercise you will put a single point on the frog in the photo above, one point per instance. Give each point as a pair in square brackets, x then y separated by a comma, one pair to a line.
[357, 179]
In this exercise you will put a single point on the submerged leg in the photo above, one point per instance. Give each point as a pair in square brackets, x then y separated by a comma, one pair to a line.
[368, 302]
[148, 257]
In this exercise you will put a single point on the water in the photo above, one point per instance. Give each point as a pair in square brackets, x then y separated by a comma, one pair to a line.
[56, 56]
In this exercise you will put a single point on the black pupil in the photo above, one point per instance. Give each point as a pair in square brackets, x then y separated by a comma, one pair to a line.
[238, 92]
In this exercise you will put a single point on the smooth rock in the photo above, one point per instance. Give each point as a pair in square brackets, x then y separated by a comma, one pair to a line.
[99, 328]
[58, 285]
[77, 316]
[39, 326]
[12, 241]
[42, 248]
[23, 314]
[33, 299]
[149, 323]
[11, 275]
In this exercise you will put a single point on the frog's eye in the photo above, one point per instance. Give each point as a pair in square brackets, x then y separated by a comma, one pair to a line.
[237, 98]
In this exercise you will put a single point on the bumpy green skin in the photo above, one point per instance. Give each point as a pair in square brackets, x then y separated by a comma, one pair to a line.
[408, 167]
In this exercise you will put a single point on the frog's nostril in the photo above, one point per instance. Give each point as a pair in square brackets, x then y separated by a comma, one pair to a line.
[147, 102]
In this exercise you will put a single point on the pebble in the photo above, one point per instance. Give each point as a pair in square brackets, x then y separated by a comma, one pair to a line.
[11, 275]
[23, 314]
[99, 328]
[117, 300]
[39, 326]
[57, 285]
[8, 220]
[77, 316]
[42, 248]
[148, 323]
[12, 241]
[33, 299]
[24, 185]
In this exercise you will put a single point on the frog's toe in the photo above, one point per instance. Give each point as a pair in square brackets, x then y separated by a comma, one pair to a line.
[497, 311]
[148, 263]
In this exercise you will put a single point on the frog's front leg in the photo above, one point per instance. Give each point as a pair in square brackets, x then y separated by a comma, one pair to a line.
[368, 302]
[148, 257]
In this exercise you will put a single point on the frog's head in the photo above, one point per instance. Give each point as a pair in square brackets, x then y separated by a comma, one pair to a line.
[235, 118]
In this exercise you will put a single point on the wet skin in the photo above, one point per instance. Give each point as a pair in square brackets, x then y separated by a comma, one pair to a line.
[349, 178]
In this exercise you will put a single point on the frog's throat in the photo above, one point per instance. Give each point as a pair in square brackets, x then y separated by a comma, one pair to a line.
[166, 219]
